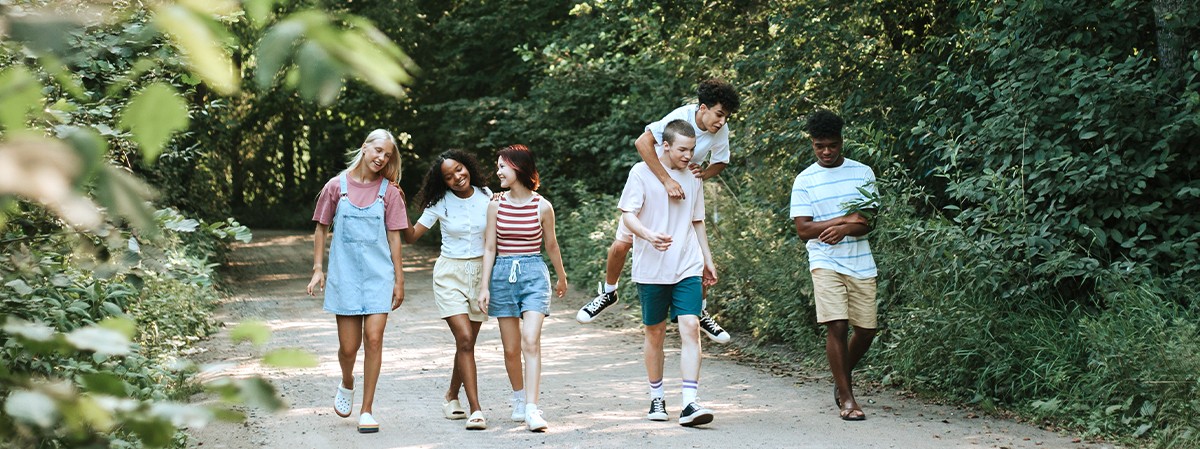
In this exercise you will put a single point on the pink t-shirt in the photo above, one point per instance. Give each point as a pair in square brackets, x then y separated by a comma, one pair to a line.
[646, 197]
[395, 217]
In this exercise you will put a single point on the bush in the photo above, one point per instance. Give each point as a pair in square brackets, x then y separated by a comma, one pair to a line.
[71, 305]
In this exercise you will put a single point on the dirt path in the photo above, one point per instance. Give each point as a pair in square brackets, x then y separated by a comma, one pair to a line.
[594, 387]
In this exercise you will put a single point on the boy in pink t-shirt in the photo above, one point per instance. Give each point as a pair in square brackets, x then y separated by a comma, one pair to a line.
[671, 264]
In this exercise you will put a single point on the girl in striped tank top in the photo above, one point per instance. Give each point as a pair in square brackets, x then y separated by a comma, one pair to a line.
[516, 283]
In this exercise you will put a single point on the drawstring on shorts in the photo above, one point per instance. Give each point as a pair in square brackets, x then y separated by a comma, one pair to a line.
[514, 271]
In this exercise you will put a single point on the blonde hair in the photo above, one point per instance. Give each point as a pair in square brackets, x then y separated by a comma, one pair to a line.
[391, 171]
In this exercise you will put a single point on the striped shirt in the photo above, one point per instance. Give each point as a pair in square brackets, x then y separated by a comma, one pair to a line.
[823, 194]
[518, 230]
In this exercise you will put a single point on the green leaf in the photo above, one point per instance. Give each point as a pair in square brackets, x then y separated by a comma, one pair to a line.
[1088, 135]
[320, 75]
[105, 383]
[20, 287]
[33, 407]
[290, 358]
[185, 225]
[20, 96]
[126, 196]
[30, 331]
[257, 392]
[276, 49]
[254, 331]
[100, 340]
[259, 11]
[120, 324]
[153, 116]
[200, 46]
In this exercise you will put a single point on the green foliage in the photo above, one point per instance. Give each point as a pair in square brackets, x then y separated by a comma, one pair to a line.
[95, 330]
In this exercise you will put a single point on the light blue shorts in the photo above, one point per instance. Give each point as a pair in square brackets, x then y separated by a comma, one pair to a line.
[519, 284]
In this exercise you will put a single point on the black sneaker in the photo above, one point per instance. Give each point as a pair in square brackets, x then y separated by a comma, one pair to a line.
[712, 329]
[694, 415]
[658, 410]
[588, 312]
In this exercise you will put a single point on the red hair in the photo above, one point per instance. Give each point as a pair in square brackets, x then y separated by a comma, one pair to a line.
[521, 160]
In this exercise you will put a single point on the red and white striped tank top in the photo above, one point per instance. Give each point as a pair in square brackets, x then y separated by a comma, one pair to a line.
[518, 230]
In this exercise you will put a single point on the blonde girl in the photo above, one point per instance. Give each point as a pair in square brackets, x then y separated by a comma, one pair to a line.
[365, 280]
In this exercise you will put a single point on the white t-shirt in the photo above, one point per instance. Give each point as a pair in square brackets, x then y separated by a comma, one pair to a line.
[822, 193]
[645, 196]
[463, 222]
[715, 143]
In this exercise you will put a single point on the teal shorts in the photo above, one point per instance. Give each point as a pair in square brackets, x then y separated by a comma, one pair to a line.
[662, 301]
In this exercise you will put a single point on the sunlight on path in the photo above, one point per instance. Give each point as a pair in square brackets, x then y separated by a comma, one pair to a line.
[594, 386]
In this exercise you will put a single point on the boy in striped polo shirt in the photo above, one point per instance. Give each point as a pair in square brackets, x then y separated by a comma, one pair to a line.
[839, 257]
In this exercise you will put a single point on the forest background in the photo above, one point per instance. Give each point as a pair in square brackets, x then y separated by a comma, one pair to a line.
[1037, 161]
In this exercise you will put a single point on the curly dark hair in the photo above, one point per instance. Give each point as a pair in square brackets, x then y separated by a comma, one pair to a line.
[434, 188]
[714, 91]
[823, 123]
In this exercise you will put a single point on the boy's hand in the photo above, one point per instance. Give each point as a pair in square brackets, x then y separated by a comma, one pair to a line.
[833, 234]
[674, 190]
[317, 283]
[709, 277]
[660, 241]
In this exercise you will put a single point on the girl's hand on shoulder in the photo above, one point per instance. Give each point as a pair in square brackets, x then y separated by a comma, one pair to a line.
[560, 287]
[317, 283]
[397, 295]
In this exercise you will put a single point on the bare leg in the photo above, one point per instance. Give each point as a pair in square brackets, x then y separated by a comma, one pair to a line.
[464, 375]
[838, 353]
[531, 348]
[860, 342]
[616, 261]
[689, 349]
[373, 326]
[653, 349]
[510, 336]
[350, 330]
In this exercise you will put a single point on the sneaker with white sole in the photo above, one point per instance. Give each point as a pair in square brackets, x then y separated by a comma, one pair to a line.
[658, 410]
[518, 413]
[343, 401]
[694, 415]
[533, 418]
[713, 330]
[589, 311]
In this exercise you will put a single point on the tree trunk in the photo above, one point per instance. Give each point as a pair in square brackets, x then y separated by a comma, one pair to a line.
[1170, 37]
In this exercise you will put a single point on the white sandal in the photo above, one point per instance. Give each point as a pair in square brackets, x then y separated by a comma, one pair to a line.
[453, 410]
[343, 401]
[476, 421]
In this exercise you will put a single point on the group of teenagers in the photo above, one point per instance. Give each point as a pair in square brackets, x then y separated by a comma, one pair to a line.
[491, 262]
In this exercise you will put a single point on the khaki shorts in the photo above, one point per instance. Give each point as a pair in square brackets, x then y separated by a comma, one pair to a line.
[843, 297]
[456, 287]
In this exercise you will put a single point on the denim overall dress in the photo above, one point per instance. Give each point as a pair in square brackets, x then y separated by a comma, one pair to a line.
[361, 275]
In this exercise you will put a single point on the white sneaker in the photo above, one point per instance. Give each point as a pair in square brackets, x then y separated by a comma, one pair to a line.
[533, 418]
[518, 405]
